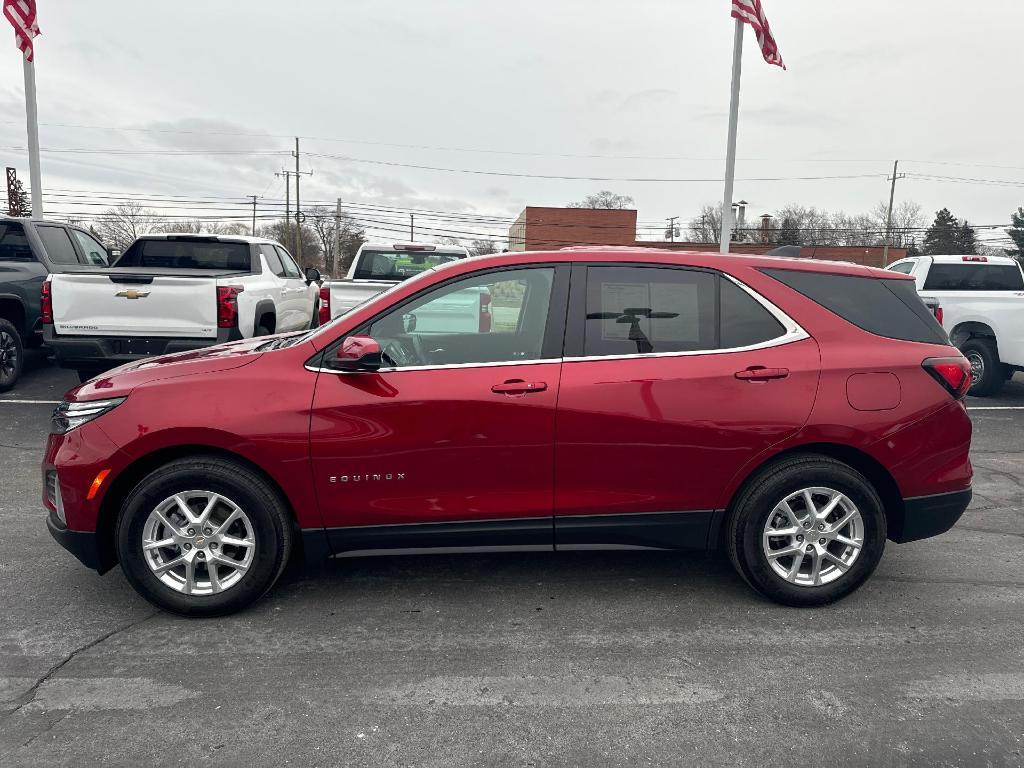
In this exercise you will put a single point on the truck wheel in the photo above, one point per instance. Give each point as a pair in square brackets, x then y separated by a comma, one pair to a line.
[807, 530]
[12, 355]
[84, 376]
[986, 370]
[203, 536]
[262, 330]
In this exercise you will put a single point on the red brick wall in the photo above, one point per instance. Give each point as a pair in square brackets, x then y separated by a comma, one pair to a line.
[548, 229]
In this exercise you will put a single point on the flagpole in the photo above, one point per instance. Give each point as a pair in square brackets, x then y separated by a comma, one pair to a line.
[730, 151]
[33, 140]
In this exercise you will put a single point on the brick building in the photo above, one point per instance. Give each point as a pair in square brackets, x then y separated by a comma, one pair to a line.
[548, 229]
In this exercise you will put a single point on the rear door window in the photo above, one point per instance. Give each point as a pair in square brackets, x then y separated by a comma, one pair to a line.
[642, 310]
[57, 244]
[13, 242]
[273, 260]
[889, 308]
[976, 276]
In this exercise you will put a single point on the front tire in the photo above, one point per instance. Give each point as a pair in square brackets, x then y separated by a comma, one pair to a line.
[203, 536]
[12, 355]
[987, 376]
[806, 531]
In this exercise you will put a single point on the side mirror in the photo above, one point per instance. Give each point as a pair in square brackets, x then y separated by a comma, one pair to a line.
[356, 353]
[312, 275]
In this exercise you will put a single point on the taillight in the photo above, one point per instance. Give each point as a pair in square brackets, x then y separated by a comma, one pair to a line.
[953, 373]
[227, 305]
[325, 304]
[938, 314]
[485, 312]
[46, 303]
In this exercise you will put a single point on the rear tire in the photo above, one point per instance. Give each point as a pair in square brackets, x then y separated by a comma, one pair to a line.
[987, 376]
[827, 571]
[262, 330]
[12, 355]
[210, 566]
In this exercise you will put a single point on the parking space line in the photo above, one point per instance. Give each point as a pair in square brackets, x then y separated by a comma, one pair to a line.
[31, 402]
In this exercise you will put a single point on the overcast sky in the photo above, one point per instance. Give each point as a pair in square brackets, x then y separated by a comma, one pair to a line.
[520, 88]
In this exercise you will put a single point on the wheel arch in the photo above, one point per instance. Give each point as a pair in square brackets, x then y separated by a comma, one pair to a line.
[131, 475]
[265, 308]
[879, 477]
[968, 329]
[12, 309]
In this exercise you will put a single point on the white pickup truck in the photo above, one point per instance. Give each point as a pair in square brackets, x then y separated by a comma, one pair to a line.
[379, 266]
[982, 310]
[171, 293]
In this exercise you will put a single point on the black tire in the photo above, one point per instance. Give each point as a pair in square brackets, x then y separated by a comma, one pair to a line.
[84, 376]
[987, 376]
[271, 526]
[756, 502]
[262, 330]
[12, 355]
[314, 321]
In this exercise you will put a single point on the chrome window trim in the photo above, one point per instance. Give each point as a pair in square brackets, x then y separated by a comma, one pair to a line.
[793, 332]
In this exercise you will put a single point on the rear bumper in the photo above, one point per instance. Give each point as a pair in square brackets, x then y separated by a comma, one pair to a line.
[81, 544]
[104, 352]
[927, 516]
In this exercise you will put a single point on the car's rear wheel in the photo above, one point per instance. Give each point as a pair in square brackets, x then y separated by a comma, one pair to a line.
[12, 355]
[203, 537]
[987, 376]
[808, 530]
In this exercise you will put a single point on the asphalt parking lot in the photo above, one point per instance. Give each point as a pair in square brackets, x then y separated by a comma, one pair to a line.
[513, 659]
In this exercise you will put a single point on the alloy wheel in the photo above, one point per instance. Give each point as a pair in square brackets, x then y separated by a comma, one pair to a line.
[977, 366]
[8, 357]
[813, 536]
[198, 542]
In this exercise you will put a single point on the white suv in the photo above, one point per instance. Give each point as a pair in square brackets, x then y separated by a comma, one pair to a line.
[982, 300]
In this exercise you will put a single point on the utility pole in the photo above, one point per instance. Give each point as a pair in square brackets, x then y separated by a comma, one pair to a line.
[412, 230]
[337, 236]
[254, 198]
[286, 175]
[672, 228]
[298, 207]
[888, 215]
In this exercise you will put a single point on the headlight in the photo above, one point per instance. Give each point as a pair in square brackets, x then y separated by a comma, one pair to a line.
[68, 416]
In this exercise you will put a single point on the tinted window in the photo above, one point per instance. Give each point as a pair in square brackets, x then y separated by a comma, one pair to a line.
[57, 244]
[638, 310]
[13, 242]
[95, 253]
[187, 254]
[398, 265]
[889, 308]
[290, 268]
[273, 260]
[744, 322]
[494, 317]
[977, 276]
[904, 269]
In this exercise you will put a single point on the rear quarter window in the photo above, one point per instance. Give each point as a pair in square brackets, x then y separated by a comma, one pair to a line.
[974, 277]
[889, 308]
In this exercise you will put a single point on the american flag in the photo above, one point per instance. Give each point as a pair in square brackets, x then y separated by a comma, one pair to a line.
[22, 15]
[750, 12]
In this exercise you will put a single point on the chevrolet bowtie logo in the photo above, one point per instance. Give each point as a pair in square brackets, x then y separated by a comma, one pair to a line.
[131, 293]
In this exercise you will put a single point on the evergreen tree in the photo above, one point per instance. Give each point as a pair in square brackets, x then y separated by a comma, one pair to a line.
[967, 241]
[789, 233]
[20, 204]
[1016, 233]
[943, 236]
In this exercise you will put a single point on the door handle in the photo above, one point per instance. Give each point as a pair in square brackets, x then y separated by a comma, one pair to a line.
[518, 387]
[760, 373]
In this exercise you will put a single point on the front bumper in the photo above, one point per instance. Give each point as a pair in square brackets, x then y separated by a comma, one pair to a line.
[927, 516]
[81, 544]
[99, 353]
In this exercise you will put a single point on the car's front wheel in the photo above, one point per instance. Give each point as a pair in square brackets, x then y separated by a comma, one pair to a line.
[204, 536]
[807, 531]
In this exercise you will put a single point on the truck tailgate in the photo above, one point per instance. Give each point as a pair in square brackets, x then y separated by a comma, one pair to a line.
[104, 304]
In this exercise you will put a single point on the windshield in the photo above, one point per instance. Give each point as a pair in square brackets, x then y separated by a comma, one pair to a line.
[186, 254]
[399, 265]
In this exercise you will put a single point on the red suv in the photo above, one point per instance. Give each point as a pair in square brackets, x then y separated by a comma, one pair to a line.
[793, 413]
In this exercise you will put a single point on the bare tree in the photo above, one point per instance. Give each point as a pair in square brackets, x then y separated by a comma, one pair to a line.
[907, 222]
[604, 199]
[706, 227]
[483, 247]
[121, 225]
[324, 226]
